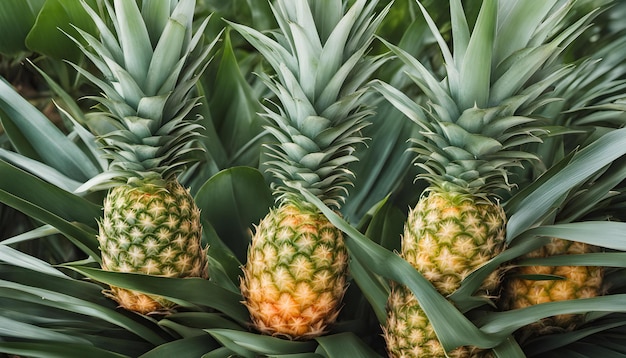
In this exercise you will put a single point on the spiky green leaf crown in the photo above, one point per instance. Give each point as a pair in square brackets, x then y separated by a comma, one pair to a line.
[150, 61]
[483, 113]
[320, 58]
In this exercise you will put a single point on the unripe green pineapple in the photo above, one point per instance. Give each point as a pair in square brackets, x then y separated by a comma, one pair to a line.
[552, 284]
[478, 120]
[151, 229]
[150, 61]
[295, 274]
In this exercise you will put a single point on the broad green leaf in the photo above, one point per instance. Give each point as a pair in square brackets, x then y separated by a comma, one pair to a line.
[55, 350]
[509, 349]
[583, 165]
[73, 304]
[607, 234]
[56, 17]
[41, 170]
[475, 69]
[134, 40]
[231, 107]
[261, 344]
[33, 135]
[517, 23]
[202, 320]
[224, 267]
[508, 321]
[184, 291]
[18, 258]
[193, 347]
[345, 345]
[72, 215]
[232, 201]
[16, 20]
[15, 329]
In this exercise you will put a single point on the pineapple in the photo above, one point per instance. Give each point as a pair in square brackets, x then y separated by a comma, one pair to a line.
[551, 284]
[474, 128]
[295, 275]
[150, 63]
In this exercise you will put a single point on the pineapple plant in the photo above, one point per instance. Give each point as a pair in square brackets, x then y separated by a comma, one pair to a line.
[475, 125]
[150, 62]
[295, 274]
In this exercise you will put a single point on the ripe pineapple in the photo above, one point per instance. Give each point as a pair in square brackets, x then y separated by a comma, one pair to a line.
[477, 121]
[571, 282]
[295, 275]
[150, 63]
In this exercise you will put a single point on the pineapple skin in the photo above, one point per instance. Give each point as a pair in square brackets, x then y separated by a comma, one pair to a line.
[295, 275]
[152, 229]
[577, 282]
[446, 237]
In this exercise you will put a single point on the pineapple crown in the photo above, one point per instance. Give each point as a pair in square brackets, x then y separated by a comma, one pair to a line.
[482, 114]
[150, 61]
[319, 55]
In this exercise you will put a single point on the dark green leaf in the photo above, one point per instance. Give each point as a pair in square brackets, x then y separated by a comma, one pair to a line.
[56, 15]
[16, 20]
[232, 201]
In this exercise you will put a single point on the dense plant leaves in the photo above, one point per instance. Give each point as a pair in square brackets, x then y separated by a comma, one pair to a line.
[33, 135]
[70, 214]
[344, 345]
[183, 348]
[249, 344]
[55, 350]
[232, 201]
[187, 292]
[16, 20]
[583, 164]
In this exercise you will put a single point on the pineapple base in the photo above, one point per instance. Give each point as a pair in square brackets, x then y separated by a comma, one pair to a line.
[152, 228]
[139, 302]
[408, 331]
[576, 282]
[295, 275]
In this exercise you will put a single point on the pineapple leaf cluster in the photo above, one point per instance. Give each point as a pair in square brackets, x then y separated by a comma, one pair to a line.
[321, 63]
[150, 62]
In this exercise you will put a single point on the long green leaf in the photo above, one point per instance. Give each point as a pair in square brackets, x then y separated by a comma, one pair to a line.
[32, 134]
[183, 291]
[14, 329]
[55, 350]
[582, 166]
[74, 304]
[345, 345]
[183, 348]
[262, 344]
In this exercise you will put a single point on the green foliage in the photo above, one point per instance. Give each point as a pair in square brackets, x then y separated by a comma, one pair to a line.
[51, 300]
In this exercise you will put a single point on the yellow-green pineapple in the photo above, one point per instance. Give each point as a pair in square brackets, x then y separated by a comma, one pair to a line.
[534, 284]
[150, 61]
[474, 123]
[295, 274]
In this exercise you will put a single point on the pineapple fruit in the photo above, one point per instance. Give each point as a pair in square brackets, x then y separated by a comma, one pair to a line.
[551, 284]
[478, 119]
[295, 275]
[150, 62]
